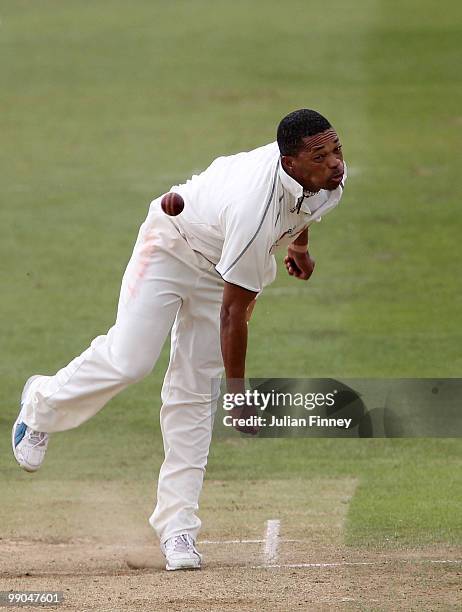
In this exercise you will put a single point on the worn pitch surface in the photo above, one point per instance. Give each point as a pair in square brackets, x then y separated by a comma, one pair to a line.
[90, 541]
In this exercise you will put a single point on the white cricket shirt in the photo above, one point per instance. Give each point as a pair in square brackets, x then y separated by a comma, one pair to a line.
[242, 208]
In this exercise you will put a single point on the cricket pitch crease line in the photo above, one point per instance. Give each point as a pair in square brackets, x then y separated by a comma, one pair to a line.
[271, 541]
[343, 563]
[201, 542]
[339, 564]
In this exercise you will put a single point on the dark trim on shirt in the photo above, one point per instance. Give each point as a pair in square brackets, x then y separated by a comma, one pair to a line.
[260, 225]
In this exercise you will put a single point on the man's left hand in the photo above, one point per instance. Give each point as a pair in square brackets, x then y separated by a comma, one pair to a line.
[300, 265]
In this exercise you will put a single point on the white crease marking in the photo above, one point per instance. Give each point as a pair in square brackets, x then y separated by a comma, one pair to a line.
[271, 541]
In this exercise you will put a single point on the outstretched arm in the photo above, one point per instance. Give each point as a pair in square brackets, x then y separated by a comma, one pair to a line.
[237, 302]
[233, 332]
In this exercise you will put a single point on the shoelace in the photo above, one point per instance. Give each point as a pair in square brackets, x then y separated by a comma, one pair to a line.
[38, 438]
[181, 544]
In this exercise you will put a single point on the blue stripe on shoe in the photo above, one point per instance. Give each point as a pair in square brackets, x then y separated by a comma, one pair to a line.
[19, 433]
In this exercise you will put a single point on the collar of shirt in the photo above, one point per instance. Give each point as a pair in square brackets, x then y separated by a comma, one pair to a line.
[297, 191]
[289, 183]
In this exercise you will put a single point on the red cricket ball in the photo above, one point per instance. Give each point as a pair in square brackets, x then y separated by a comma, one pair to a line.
[172, 204]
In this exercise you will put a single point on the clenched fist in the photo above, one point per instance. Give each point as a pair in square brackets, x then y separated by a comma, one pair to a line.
[299, 264]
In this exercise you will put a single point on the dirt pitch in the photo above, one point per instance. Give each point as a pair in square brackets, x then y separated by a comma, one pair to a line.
[90, 541]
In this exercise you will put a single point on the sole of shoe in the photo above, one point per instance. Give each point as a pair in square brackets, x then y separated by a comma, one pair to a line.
[185, 566]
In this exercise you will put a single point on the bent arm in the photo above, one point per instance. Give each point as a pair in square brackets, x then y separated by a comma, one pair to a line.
[298, 261]
[301, 242]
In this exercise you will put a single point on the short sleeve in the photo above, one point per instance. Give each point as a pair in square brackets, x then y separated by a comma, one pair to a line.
[245, 258]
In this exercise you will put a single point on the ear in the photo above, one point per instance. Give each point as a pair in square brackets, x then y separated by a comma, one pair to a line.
[287, 162]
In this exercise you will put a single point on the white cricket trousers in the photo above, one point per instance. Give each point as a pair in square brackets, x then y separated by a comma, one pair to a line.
[166, 283]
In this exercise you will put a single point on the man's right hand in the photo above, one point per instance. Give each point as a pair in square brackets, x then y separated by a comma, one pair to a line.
[245, 412]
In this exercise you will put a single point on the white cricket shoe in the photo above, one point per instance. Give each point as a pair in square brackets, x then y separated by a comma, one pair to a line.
[29, 446]
[181, 553]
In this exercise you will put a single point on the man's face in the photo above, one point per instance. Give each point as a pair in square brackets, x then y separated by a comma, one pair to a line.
[319, 163]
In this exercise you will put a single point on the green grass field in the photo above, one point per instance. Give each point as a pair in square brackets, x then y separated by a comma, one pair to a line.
[107, 104]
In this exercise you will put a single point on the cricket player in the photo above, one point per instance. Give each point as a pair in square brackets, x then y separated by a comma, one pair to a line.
[195, 275]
